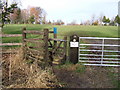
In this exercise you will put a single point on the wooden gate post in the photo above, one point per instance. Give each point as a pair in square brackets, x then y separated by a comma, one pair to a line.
[24, 43]
[65, 48]
[65, 51]
[74, 47]
[46, 53]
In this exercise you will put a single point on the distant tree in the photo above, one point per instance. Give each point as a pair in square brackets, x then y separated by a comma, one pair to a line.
[73, 22]
[6, 11]
[117, 19]
[112, 23]
[16, 16]
[92, 18]
[96, 22]
[32, 19]
[59, 22]
[25, 16]
[43, 16]
[81, 23]
[39, 14]
[104, 19]
[44, 19]
[100, 19]
[62, 23]
[87, 22]
[107, 20]
[49, 22]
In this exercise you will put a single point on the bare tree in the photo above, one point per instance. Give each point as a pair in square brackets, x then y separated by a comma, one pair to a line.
[39, 14]
[93, 18]
[100, 18]
[73, 22]
[87, 22]
[25, 16]
[43, 16]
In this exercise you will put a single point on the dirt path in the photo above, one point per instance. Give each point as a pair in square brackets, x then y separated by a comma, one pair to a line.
[93, 77]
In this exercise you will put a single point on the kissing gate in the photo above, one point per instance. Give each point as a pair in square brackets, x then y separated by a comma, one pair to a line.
[38, 45]
[95, 51]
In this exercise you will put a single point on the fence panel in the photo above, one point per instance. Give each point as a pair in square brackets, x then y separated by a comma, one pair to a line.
[34, 44]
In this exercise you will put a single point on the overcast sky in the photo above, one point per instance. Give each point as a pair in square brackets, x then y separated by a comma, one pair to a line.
[79, 10]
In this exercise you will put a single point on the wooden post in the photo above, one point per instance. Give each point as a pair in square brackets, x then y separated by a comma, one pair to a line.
[24, 42]
[1, 60]
[55, 36]
[46, 53]
[74, 43]
[65, 50]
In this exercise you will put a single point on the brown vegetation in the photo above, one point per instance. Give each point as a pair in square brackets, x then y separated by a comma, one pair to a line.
[24, 75]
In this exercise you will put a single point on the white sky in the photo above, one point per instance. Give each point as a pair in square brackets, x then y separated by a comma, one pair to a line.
[79, 10]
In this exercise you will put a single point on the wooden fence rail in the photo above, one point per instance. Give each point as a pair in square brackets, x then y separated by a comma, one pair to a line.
[33, 32]
[10, 35]
[10, 44]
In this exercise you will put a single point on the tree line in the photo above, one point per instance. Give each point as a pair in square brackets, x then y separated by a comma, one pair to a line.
[102, 20]
[36, 15]
[115, 21]
[31, 15]
[14, 15]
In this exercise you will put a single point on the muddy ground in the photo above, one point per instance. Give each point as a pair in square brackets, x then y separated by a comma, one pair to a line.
[90, 77]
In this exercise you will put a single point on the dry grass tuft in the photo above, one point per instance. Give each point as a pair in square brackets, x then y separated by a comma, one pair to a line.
[25, 75]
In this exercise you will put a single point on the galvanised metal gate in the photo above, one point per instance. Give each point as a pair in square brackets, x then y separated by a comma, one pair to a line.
[99, 51]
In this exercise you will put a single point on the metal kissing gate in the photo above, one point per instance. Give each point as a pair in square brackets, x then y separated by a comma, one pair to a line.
[99, 51]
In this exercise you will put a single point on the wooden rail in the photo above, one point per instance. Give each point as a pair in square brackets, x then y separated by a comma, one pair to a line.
[33, 32]
[51, 31]
[55, 39]
[33, 41]
[10, 35]
[10, 44]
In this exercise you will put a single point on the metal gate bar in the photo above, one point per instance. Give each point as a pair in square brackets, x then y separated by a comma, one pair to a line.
[102, 58]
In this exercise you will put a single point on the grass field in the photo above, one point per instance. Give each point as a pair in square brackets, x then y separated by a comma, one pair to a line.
[92, 31]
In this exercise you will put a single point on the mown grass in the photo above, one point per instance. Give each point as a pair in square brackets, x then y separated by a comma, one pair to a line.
[97, 31]
[17, 28]
[91, 31]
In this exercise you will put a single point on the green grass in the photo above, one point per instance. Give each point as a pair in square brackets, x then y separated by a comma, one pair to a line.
[80, 69]
[97, 31]
[114, 77]
[17, 28]
[92, 31]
